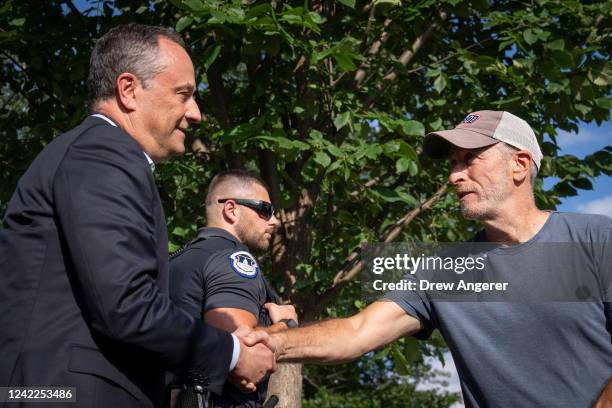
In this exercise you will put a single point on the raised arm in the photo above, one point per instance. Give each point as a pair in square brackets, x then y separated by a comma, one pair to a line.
[340, 340]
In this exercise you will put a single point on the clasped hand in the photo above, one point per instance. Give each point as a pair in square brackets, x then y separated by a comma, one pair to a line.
[256, 359]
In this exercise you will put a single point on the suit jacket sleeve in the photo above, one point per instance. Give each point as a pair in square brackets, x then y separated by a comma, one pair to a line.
[105, 202]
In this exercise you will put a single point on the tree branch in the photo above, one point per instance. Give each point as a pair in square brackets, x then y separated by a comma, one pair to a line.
[368, 184]
[406, 57]
[354, 264]
[372, 52]
[73, 8]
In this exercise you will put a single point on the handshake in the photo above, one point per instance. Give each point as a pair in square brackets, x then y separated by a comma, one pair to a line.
[257, 349]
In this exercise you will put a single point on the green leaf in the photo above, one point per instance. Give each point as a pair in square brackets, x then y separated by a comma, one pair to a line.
[298, 144]
[17, 22]
[183, 23]
[211, 55]
[316, 17]
[604, 102]
[385, 194]
[342, 119]
[563, 58]
[601, 75]
[507, 101]
[529, 36]
[399, 148]
[322, 158]
[555, 45]
[584, 109]
[348, 3]
[142, 9]
[334, 166]
[180, 231]
[282, 142]
[402, 165]
[413, 169]
[441, 82]
[335, 150]
[393, 2]
[583, 183]
[411, 349]
[392, 147]
[402, 365]
[315, 135]
[373, 151]
[195, 5]
[436, 124]
[292, 19]
[407, 198]
[344, 62]
[413, 128]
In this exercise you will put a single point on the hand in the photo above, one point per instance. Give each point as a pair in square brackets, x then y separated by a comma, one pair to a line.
[274, 342]
[280, 312]
[256, 360]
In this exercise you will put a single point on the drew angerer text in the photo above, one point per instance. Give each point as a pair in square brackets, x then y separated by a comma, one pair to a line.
[424, 284]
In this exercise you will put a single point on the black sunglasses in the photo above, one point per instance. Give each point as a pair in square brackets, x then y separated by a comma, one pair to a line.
[263, 208]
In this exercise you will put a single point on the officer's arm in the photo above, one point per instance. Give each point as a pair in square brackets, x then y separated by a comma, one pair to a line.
[339, 340]
[229, 318]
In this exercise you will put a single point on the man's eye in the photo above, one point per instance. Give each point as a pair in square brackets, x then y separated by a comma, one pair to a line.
[469, 157]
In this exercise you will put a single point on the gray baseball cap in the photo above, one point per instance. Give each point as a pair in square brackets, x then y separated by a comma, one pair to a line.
[481, 129]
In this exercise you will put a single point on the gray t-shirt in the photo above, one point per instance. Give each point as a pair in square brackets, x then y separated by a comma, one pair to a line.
[531, 354]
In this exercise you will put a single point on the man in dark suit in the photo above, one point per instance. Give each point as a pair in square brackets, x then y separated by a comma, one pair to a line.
[83, 246]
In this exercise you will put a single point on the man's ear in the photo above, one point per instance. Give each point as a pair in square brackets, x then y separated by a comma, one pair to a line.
[230, 212]
[127, 84]
[522, 165]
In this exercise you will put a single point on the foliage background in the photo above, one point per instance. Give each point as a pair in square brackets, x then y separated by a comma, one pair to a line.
[329, 101]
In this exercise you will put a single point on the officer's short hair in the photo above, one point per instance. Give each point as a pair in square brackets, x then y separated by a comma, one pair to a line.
[130, 48]
[239, 179]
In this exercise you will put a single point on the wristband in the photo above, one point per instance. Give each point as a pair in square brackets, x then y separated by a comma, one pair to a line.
[292, 324]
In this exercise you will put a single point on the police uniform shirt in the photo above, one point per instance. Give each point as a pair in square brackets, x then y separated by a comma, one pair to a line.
[218, 271]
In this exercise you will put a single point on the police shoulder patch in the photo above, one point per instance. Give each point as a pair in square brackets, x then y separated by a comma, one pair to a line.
[244, 264]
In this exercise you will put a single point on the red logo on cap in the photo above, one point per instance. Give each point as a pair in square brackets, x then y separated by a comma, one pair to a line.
[470, 118]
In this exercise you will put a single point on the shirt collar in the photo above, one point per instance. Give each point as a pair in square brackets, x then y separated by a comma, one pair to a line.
[207, 232]
[106, 118]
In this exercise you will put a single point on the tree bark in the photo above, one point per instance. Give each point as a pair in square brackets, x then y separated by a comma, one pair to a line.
[286, 384]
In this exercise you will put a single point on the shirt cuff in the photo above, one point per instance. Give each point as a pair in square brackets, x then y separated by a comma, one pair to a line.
[235, 353]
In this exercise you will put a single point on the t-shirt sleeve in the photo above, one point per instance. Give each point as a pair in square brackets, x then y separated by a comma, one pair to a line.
[226, 285]
[605, 270]
[416, 304]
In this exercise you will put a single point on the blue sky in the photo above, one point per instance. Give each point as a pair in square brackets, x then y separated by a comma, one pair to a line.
[589, 139]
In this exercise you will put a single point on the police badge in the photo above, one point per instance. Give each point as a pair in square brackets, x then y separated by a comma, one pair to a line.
[244, 264]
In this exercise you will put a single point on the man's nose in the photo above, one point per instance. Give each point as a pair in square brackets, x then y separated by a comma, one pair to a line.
[274, 221]
[193, 112]
[457, 173]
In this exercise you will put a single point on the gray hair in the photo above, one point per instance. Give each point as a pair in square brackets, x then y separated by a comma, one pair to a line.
[130, 48]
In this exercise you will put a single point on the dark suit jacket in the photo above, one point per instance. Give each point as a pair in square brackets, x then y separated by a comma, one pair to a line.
[84, 279]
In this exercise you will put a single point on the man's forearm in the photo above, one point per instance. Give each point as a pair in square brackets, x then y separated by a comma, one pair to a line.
[339, 340]
[331, 341]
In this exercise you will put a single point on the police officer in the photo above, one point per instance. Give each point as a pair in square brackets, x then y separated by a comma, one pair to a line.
[217, 278]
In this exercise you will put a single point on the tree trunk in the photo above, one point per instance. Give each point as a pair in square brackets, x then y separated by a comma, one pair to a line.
[286, 384]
